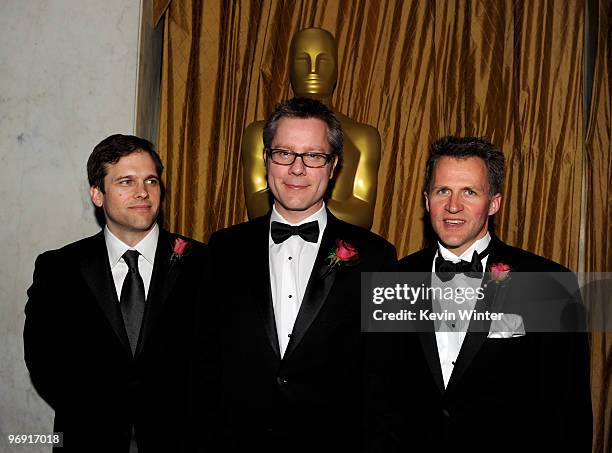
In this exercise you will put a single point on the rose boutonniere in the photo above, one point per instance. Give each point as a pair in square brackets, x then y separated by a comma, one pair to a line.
[500, 272]
[344, 254]
[180, 248]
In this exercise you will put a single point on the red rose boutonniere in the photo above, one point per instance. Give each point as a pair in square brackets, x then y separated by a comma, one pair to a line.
[344, 254]
[179, 250]
[500, 272]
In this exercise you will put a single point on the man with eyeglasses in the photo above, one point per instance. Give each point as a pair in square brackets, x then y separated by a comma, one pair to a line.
[289, 295]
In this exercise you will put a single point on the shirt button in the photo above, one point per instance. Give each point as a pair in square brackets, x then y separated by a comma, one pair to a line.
[290, 258]
[446, 413]
[290, 296]
[453, 324]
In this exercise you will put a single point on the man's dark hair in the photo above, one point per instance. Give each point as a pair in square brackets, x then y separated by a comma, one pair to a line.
[305, 108]
[462, 148]
[113, 148]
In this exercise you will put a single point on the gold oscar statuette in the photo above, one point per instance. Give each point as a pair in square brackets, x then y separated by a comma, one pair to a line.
[314, 72]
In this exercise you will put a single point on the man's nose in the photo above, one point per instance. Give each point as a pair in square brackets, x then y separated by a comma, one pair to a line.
[297, 167]
[453, 204]
[142, 191]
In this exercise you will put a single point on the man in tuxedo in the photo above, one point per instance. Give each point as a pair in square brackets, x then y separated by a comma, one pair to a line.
[108, 318]
[480, 385]
[289, 294]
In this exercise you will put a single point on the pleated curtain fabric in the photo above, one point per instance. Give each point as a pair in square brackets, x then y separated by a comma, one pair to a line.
[508, 70]
[598, 228]
[415, 70]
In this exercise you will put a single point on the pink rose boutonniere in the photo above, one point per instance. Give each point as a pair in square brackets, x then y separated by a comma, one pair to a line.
[179, 249]
[345, 251]
[344, 254]
[500, 272]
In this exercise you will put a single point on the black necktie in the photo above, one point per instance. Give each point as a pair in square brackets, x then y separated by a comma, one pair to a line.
[280, 232]
[446, 270]
[132, 299]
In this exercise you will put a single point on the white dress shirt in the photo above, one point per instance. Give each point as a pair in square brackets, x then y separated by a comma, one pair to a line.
[116, 248]
[450, 338]
[291, 264]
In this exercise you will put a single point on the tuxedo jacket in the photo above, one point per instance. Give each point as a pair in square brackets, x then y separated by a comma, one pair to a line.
[79, 357]
[311, 398]
[525, 393]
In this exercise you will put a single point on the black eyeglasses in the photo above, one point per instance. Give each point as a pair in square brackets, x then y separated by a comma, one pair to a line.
[312, 160]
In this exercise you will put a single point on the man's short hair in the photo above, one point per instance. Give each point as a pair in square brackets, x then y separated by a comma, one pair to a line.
[304, 108]
[462, 148]
[113, 148]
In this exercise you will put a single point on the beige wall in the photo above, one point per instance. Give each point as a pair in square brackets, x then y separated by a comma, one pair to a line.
[68, 72]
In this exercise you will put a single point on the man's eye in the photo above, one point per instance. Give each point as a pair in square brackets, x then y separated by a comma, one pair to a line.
[284, 155]
[125, 182]
[153, 182]
[314, 156]
[442, 191]
[470, 192]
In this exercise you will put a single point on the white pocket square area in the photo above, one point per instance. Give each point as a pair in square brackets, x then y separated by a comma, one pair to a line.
[509, 326]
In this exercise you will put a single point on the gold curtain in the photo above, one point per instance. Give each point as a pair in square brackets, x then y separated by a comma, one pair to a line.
[416, 70]
[598, 231]
[158, 9]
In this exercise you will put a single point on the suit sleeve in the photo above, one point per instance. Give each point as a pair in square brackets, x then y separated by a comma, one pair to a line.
[565, 382]
[386, 258]
[203, 412]
[390, 262]
[42, 333]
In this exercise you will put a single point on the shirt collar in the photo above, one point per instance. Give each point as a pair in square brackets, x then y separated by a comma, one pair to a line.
[479, 246]
[116, 247]
[320, 216]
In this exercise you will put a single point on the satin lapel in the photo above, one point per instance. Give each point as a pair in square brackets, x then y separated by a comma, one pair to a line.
[257, 271]
[163, 279]
[319, 284]
[430, 349]
[478, 331]
[428, 337]
[95, 268]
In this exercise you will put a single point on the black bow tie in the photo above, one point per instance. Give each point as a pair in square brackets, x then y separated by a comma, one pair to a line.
[280, 232]
[446, 270]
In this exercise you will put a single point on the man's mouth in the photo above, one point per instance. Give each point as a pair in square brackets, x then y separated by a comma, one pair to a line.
[454, 221]
[295, 186]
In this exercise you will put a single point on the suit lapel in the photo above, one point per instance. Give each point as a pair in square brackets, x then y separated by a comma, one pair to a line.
[428, 337]
[258, 275]
[319, 284]
[478, 331]
[163, 279]
[430, 349]
[475, 337]
[96, 271]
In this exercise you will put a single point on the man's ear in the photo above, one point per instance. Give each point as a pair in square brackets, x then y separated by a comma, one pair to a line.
[97, 197]
[265, 163]
[426, 201]
[334, 163]
[495, 203]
